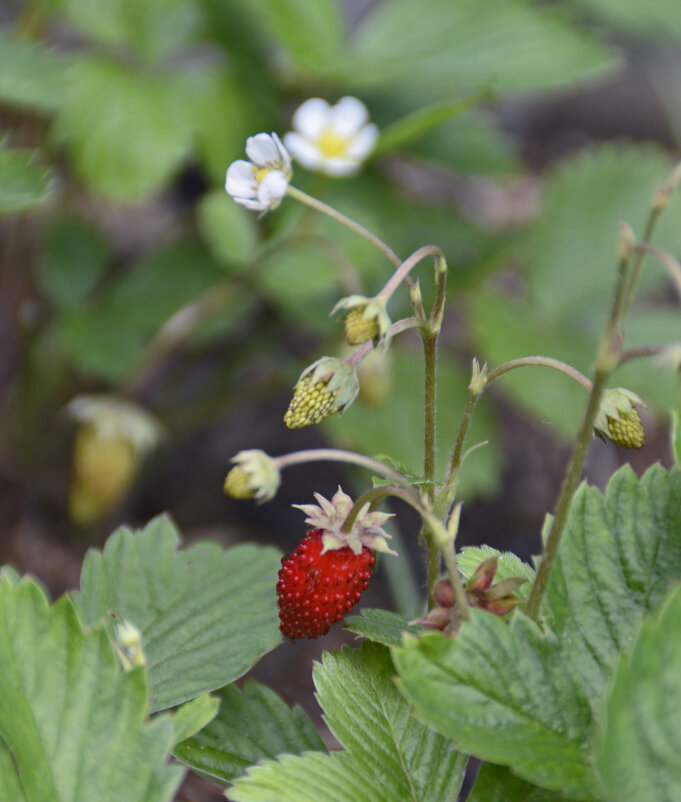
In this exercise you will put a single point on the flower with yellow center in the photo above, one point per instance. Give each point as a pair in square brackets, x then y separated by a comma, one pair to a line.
[261, 183]
[334, 140]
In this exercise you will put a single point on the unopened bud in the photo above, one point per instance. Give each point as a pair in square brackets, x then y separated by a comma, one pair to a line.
[478, 378]
[626, 241]
[483, 575]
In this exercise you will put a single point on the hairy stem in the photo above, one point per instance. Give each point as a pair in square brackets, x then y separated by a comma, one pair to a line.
[337, 455]
[544, 362]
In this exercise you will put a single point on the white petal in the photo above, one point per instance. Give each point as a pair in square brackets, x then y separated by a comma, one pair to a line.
[273, 187]
[240, 179]
[262, 150]
[348, 116]
[362, 145]
[338, 167]
[303, 151]
[254, 205]
[284, 155]
[312, 118]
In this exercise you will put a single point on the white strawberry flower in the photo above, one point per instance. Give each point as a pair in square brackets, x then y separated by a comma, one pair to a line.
[334, 140]
[261, 182]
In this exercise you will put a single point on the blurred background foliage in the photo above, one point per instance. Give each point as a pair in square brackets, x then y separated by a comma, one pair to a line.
[515, 135]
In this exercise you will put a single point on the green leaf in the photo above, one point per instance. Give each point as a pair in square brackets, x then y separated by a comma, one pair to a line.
[24, 182]
[309, 32]
[676, 436]
[150, 30]
[253, 723]
[497, 784]
[73, 260]
[509, 565]
[31, 77]
[389, 754]
[193, 716]
[659, 17]
[206, 615]
[382, 429]
[229, 230]
[126, 130]
[106, 337]
[503, 44]
[619, 556]
[502, 693]
[419, 122]
[65, 702]
[573, 250]
[639, 755]
[381, 626]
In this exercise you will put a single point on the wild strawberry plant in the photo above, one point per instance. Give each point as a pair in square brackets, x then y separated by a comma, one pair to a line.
[562, 678]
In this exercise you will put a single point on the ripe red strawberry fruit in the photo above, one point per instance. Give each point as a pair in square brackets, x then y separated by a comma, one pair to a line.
[316, 590]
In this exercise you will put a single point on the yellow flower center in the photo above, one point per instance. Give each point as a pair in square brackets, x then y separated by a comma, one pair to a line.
[261, 173]
[331, 144]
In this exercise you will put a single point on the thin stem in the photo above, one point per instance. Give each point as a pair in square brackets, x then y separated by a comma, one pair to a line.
[404, 269]
[378, 494]
[324, 208]
[337, 455]
[607, 359]
[642, 351]
[670, 264]
[541, 361]
[446, 495]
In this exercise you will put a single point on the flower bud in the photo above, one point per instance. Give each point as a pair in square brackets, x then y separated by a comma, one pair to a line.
[327, 386]
[110, 444]
[618, 419]
[254, 475]
[128, 645]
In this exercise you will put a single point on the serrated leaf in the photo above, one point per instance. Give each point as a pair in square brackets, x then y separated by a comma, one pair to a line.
[502, 693]
[24, 182]
[381, 428]
[229, 230]
[206, 615]
[639, 755]
[72, 261]
[509, 565]
[253, 723]
[31, 77]
[497, 784]
[619, 556]
[193, 716]
[389, 755]
[381, 626]
[676, 436]
[65, 701]
[439, 43]
[573, 249]
[126, 130]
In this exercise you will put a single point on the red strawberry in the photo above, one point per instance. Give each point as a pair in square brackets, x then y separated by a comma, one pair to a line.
[318, 589]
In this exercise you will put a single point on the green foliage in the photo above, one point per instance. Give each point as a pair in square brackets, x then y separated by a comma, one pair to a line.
[31, 77]
[193, 716]
[206, 615]
[253, 724]
[619, 556]
[105, 337]
[505, 45]
[381, 626]
[73, 260]
[388, 755]
[676, 436]
[660, 17]
[24, 182]
[65, 703]
[126, 130]
[532, 697]
[641, 744]
[229, 230]
[497, 784]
